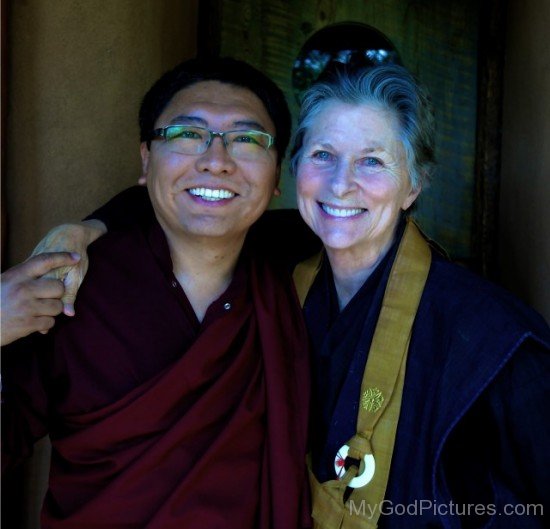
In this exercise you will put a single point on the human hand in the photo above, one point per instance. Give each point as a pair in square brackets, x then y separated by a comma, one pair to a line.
[71, 238]
[29, 301]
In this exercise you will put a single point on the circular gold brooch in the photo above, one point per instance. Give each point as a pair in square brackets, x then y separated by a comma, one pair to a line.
[372, 399]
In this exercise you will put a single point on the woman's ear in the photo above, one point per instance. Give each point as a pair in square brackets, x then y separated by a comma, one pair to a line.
[411, 197]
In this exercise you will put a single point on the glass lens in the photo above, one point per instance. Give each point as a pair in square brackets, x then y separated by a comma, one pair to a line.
[247, 144]
[187, 139]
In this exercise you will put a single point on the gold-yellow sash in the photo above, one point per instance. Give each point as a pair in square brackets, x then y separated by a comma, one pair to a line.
[381, 388]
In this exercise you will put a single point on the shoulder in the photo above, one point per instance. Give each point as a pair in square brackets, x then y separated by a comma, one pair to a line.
[117, 246]
[472, 301]
[119, 262]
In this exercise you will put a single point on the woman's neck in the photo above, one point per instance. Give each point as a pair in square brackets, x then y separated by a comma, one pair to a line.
[351, 271]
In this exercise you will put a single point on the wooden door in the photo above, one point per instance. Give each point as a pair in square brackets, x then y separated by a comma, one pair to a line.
[453, 46]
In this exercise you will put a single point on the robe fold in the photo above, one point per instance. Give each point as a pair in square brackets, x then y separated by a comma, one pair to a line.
[160, 421]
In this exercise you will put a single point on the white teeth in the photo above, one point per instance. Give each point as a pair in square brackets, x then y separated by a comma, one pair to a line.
[337, 212]
[211, 194]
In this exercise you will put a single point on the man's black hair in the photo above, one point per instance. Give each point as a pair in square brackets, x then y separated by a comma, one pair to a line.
[224, 70]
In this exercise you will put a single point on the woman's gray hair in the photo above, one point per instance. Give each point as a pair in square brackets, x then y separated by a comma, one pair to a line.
[390, 87]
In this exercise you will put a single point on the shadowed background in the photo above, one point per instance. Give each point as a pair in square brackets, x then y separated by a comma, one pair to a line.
[77, 69]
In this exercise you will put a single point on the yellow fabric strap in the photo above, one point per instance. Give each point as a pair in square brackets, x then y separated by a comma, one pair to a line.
[381, 389]
[304, 275]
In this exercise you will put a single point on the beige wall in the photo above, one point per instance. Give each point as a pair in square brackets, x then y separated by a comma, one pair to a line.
[78, 69]
[525, 192]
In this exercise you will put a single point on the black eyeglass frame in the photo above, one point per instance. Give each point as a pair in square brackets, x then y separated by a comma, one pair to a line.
[161, 133]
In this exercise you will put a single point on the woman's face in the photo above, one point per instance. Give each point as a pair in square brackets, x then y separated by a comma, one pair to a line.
[352, 179]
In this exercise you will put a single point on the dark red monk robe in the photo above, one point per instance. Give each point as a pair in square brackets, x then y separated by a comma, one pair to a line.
[160, 421]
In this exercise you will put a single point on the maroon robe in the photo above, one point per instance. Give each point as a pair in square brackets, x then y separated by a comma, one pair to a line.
[160, 421]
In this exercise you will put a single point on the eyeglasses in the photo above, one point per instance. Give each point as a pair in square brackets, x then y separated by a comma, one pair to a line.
[240, 144]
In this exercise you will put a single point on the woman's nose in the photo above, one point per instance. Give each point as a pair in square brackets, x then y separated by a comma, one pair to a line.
[342, 180]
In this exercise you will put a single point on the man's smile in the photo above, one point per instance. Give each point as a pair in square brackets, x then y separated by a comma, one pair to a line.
[211, 195]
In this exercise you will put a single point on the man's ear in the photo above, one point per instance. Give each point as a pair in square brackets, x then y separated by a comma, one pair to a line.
[145, 154]
[276, 190]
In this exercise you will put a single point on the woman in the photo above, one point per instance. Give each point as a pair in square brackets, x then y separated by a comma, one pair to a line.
[409, 350]
[429, 382]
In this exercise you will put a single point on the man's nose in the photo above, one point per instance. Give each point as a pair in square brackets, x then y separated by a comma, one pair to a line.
[216, 159]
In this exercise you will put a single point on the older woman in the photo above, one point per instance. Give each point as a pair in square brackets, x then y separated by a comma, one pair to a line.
[430, 384]
[428, 381]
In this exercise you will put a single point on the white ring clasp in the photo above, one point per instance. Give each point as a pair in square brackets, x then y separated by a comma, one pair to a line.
[364, 477]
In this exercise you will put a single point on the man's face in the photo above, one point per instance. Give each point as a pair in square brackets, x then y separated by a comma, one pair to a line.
[210, 195]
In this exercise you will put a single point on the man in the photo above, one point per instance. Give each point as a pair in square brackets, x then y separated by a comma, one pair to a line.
[176, 397]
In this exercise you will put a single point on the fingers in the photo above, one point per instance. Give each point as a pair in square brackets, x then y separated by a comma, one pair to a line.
[41, 264]
[60, 272]
[49, 307]
[72, 283]
[20, 327]
[68, 307]
[43, 324]
[72, 237]
[44, 288]
[29, 301]
[68, 300]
